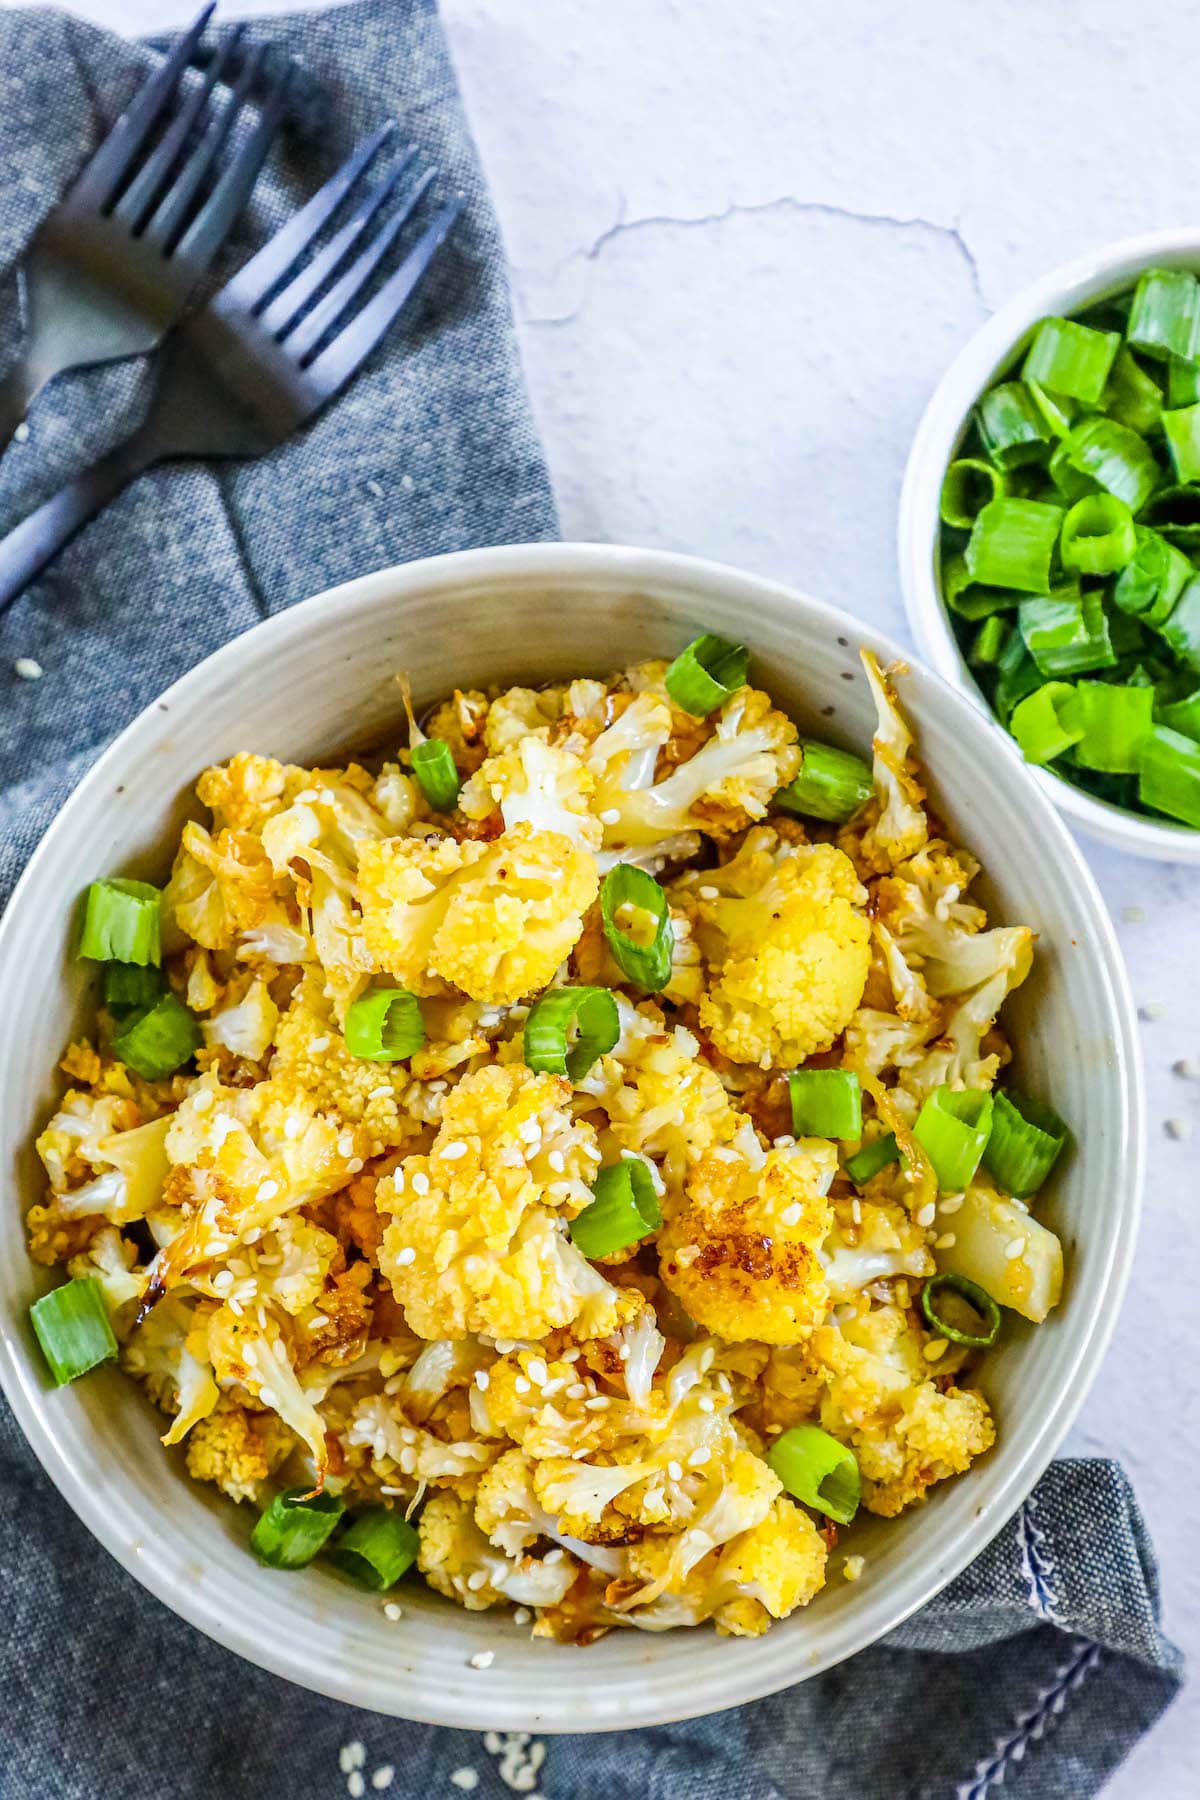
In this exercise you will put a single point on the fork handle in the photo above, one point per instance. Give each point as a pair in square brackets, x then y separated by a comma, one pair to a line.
[36, 540]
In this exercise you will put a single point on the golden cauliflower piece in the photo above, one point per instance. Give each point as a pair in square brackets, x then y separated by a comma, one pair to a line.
[477, 1239]
[787, 943]
[770, 1570]
[535, 783]
[454, 1554]
[461, 722]
[495, 920]
[238, 1450]
[740, 1254]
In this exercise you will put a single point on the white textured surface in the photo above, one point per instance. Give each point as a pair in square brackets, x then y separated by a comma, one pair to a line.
[747, 237]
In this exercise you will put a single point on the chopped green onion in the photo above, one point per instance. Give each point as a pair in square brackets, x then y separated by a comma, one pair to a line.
[970, 599]
[1169, 775]
[121, 922]
[832, 784]
[1183, 382]
[817, 1471]
[1181, 627]
[624, 1209]
[1113, 723]
[1012, 427]
[826, 1103]
[156, 1042]
[646, 964]
[872, 1157]
[73, 1328]
[434, 767]
[592, 1011]
[1042, 723]
[1057, 411]
[1071, 359]
[1148, 587]
[1132, 397]
[952, 1128]
[1182, 715]
[1012, 542]
[1182, 428]
[1071, 482]
[1098, 535]
[376, 1548]
[1066, 634]
[1016, 675]
[1115, 458]
[1026, 1142]
[968, 487]
[990, 640]
[384, 1025]
[294, 1527]
[976, 1297]
[1164, 320]
[704, 675]
[129, 987]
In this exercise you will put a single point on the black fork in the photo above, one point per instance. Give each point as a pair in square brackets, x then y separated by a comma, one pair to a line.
[264, 355]
[111, 268]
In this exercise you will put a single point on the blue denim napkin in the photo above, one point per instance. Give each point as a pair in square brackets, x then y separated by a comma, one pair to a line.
[1032, 1675]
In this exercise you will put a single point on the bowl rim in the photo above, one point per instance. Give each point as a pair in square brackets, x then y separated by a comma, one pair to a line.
[1062, 289]
[882, 1611]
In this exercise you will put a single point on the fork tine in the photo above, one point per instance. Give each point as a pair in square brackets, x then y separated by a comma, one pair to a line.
[170, 217]
[112, 161]
[135, 203]
[355, 342]
[305, 337]
[255, 279]
[292, 299]
[213, 223]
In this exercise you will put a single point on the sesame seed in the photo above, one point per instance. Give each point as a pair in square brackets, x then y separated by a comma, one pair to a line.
[521, 1384]
[383, 1777]
[1013, 1249]
[465, 1779]
[624, 1353]
[856, 1210]
[947, 1241]
[292, 1128]
[267, 1190]
[529, 1131]
[853, 1567]
[482, 1380]
[420, 1182]
[406, 1256]
[934, 1348]
[356, 1787]
[451, 1152]
[709, 893]
[1153, 1009]
[597, 1403]
[576, 1391]
[705, 1403]
[591, 1152]
[482, 1659]
[951, 1203]
[28, 668]
[317, 1322]
[351, 1756]
[698, 1458]
[557, 1161]
[791, 1215]
[203, 1100]
[381, 1093]
[610, 816]
[1179, 1128]
[316, 1045]
[476, 1580]
[392, 1611]
[1133, 915]
[235, 1306]
[355, 1164]
[346, 1144]
[522, 1616]
[222, 1280]
[537, 1371]
[675, 1471]
[268, 1396]
[927, 1214]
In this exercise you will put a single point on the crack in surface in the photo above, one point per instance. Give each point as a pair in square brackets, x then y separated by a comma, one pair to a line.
[590, 253]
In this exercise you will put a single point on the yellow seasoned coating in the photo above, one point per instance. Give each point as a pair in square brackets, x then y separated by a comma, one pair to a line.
[786, 941]
[477, 1239]
[494, 920]
[741, 1253]
[339, 1272]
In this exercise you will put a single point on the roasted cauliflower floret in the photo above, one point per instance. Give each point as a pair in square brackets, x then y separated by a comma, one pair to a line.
[535, 783]
[455, 1554]
[238, 1450]
[493, 919]
[895, 820]
[461, 722]
[786, 940]
[477, 1239]
[768, 1571]
[741, 1253]
[517, 712]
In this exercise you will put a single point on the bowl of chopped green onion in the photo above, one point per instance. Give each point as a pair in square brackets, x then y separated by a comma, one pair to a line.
[1049, 537]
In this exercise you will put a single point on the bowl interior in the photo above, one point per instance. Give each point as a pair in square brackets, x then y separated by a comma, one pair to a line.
[989, 356]
[322, 675]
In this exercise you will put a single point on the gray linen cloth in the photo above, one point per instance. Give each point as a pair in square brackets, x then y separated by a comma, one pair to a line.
[1034, 1672]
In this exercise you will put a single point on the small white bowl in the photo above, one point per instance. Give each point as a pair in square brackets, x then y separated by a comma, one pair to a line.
[300, 686]
[989, 353]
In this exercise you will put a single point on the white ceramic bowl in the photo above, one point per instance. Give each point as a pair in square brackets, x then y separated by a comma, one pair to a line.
[319, 678]
[989, 353]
